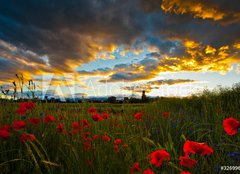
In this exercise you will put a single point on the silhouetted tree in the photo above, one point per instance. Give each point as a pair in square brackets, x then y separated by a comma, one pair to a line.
[112, 99]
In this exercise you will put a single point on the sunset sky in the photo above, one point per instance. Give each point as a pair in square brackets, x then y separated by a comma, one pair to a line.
[120, 47]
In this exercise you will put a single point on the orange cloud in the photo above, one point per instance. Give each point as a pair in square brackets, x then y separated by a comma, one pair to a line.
[196, 8]
[197, 57]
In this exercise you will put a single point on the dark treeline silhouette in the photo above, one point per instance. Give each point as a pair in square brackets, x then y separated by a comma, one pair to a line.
[224, 96]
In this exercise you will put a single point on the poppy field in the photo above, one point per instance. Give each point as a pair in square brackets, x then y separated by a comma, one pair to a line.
[168, 136]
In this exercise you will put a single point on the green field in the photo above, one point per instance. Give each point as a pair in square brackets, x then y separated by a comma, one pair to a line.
[198, 119]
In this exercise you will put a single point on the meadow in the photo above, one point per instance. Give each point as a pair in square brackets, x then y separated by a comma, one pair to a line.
[167, 136]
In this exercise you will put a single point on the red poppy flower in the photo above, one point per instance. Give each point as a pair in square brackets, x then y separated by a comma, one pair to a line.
[17, 125]
[135, 168]
[96, 137]
[48, 119]
[5, 127]
[21, 111]
[138, 116]
[60, 127]
[158, 156]
[118, 142]
[187, 162]
[23, 107]
[75, 125]
[97, 117]
[116, 148]
[70, 134]
[195, 147]
[86, 124]
[231, 125]
[86, 146]
[4, 134]
[31, 137]
[34, 120]
[185, 172]
[92, 110]
[28, 105]
[105, 115]
[165, 114]
[25, 137]
[106, 138]
[148, 171]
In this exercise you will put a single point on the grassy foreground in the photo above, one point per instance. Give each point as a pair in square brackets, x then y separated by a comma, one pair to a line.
[165, 124]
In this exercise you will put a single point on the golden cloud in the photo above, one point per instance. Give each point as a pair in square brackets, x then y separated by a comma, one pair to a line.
[196, 8]
[198, 58]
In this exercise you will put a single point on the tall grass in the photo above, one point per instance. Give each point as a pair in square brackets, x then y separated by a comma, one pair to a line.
[197, 118]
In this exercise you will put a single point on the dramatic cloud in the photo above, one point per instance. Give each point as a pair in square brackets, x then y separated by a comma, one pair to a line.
[216, 10]
[38, 37]
[68, 33]
[192, 56]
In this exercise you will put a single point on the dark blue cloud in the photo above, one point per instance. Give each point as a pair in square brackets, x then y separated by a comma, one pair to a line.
[69, 30]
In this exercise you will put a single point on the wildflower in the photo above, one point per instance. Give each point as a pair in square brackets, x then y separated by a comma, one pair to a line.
[60, 127]
[21, 111]
[17, 125]
[34, 120]
[185, 172]
[165, 114]
[195, 147]
[5, 127]
[42, 114]
[86, 146]
[86, 124]
[75, 125]
[96, 137]
[92, 110]
[158, 156]
[148, 171]
[23, 107]
[31, 137]
[231, 125]
[105, 115]
[138, 116]
[187, 162]
[234, 155]
[25, 137]
[4, 134]
[29, 105]
[106, 138]
[116, 148]
[70, 134]
[97, 117]
[118, 142]
[136, 167]
[48, 119]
